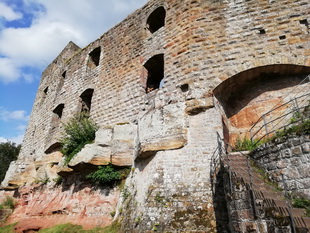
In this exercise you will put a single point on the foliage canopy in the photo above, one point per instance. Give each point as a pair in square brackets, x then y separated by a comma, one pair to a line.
[8, 153]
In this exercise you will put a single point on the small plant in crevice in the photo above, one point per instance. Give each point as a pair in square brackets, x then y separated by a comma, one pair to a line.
[302, 128]
[112, 214]
[159, 199]
[8, 203]
[43, 180]
[247, 144]
[79, 131]
[300, 202]
[108, 175]
[125, 193]
[58, 180]
[264, 175]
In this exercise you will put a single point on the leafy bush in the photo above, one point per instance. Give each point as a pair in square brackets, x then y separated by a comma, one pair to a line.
[108, 174]
[8, 153]
[79, 131]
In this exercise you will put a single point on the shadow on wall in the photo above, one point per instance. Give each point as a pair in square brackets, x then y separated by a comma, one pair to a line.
[251, 93]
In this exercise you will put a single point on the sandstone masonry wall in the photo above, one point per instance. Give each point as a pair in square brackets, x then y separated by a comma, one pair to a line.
[204, 43]
[289, 157]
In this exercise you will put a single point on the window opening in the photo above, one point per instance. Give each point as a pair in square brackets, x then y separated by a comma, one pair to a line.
[45, 90]
[95, 56]
[156, 20]
[58, 110]
[304, 21]
[262, 31]
[184, 87]
[86, 98]
[283, 37]
[64, 74]
[155, 70]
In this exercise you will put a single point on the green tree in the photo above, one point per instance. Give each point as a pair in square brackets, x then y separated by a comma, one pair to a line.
[8, 153]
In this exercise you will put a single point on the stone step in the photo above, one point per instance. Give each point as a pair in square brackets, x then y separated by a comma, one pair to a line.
[272, 200]
[304, 221]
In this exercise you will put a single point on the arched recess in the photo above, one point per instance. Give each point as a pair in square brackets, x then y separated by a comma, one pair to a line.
[52, 148]
[86, 98]
[244, 97]
[154, 68]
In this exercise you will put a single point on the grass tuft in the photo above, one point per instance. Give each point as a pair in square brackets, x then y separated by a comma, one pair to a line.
[70, 228]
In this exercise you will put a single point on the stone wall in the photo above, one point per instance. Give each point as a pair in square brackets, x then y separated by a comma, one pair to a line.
[289, 157]
[204, 43]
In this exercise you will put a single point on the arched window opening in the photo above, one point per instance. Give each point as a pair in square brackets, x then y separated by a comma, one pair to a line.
[95, 57]
[58, 111]
[156, 20]
[86, 98]
[155, 72]
[57, 114]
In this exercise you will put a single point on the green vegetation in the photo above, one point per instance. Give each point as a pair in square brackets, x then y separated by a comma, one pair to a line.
[70, 228]
[8, 229]
[43, 180]
[304, 203]
[108, 174]
[159, 199]
[299, 129]
[8, 203]
[79, 131]
[8, 153]
[58, 180]
[125, 193]
[264, 175]
[246, 144]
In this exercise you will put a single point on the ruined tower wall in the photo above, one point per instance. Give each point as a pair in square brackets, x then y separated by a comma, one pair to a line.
[204, 43]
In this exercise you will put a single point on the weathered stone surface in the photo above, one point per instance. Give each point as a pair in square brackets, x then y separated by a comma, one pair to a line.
[177, 123]
[103, 137]
[78, 204]
[123, 145]
[196, 106]
[92, 154]
[285, 157]
[162, 129]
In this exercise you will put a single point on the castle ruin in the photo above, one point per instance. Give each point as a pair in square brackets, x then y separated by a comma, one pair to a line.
[161, 84]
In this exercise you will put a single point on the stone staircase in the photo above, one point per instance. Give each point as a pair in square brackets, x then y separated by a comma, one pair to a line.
[265, 204]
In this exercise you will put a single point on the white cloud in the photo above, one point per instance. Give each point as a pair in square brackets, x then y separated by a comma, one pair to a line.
[18, 139]
[9, 72]
[8, 13]
[55, 23]
[13, 115]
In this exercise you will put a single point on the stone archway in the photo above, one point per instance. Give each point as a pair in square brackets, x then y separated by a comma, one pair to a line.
[244, 97]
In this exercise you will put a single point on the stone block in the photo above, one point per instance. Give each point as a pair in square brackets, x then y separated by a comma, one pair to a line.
[103, 137]
[162, 129]
[92, 154]
[123, 144]
[195, 106]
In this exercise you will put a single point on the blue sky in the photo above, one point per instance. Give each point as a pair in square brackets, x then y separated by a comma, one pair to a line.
[32, 33]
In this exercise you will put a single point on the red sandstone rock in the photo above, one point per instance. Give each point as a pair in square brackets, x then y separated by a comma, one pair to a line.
[43, 207]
